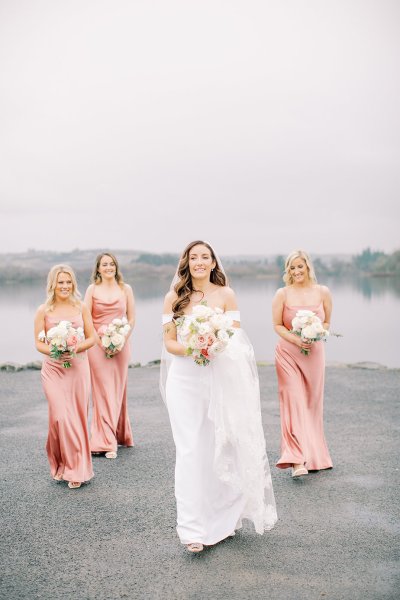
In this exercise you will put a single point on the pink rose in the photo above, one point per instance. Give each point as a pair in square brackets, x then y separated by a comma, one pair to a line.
[211, 339]
[72, 341]
[201, 341]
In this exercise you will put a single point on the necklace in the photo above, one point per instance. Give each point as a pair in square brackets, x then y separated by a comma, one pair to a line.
[198, 292]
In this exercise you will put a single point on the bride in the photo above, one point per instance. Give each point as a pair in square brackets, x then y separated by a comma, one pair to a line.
[222, 473]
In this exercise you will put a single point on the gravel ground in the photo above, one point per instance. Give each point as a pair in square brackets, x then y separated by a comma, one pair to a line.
[115, 537]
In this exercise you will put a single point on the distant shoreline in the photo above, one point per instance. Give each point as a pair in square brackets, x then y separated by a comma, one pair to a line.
[13, 367]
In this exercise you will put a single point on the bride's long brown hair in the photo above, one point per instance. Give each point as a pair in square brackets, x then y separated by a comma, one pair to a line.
[184, 288]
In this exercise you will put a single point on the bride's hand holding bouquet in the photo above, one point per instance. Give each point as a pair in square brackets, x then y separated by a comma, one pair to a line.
[206, 334]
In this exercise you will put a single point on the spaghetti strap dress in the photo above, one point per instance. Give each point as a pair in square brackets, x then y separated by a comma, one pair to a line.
[301, 397]
[67, 392]
[110, 424]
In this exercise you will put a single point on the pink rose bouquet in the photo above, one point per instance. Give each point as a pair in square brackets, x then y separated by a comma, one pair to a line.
[205, 333]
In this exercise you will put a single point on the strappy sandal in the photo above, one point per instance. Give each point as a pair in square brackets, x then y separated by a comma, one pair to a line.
[299, 471]
[58, 478]
[74, 485]
[195, 547]
[111, 455]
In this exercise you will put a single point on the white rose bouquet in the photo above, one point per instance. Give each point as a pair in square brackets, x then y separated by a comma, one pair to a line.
[63, 339]
[309, 327]
[205, 335]
[113, 335]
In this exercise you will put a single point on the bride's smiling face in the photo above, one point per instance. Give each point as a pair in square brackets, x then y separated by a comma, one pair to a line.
[200, 262]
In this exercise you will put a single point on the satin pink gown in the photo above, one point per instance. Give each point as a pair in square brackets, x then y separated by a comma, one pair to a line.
[301, 397]
[110, 421]
[67, 392]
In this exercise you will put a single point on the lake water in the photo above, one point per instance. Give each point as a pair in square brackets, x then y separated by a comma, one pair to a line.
[366, 311]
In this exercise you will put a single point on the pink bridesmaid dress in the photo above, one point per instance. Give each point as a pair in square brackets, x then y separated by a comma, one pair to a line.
[67, 392]
[110, 421]
[301, 396]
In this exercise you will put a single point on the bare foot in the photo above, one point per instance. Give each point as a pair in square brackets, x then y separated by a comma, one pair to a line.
[195, 547]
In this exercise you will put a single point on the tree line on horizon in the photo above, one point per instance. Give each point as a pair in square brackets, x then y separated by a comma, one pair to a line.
[26, 267]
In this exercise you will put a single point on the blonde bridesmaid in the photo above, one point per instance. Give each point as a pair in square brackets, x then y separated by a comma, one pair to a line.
[301, 377]
[67, 389]
[108, 298]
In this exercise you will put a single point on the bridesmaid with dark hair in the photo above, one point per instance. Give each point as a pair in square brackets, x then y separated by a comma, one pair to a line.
[67, 389]
[301, 377]
[108, 298]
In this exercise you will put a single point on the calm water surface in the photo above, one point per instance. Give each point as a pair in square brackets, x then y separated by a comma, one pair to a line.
[366, 311]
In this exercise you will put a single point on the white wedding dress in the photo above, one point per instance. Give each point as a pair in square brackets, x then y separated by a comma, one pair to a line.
[222, 473]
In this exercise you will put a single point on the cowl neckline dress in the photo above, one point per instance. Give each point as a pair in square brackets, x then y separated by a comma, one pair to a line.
[110, 424]
[301, 395]
[67, 392]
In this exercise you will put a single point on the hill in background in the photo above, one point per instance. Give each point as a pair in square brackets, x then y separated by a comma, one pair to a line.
[28, 266]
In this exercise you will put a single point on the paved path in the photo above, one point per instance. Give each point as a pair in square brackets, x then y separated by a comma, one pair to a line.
[115, 538]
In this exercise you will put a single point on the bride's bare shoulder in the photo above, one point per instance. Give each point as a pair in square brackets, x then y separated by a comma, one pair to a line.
[170, 298]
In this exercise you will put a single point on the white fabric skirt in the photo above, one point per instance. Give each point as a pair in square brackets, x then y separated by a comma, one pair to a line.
[222, 472]
[208, 509]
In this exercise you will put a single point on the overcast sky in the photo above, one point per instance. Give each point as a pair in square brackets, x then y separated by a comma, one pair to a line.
[259, 126]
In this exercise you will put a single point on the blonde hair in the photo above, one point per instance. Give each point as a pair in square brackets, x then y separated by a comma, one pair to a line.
[287, 277]
[52, 283]
[96, 277]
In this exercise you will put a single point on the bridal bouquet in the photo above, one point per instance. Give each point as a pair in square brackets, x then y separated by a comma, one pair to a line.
[308, 326]
[63, 339]
[205, 334]
[113, 335]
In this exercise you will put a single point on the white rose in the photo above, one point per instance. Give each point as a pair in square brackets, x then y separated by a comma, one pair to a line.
[110, 329]
[305, 313]
[309, 332]
[80, 333]
[52, 332]
[124, 320]
[183, 329]
[42, 336]
[117, 322]
[318, 327]
[223, 336]
[105, 341]
[203, 328]
[216, 348]
[297, 324]
[117, 340]
[59, 343]
[201, 311]
[221, 321]
[126, 329]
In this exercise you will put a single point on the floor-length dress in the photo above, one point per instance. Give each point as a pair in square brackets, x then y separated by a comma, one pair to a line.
[67, 392]
[221, 472]
[301, 395]
[110, 424]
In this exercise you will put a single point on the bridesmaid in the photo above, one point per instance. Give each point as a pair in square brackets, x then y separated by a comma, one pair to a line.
[301, 377]
[108, 298]
[67, 390]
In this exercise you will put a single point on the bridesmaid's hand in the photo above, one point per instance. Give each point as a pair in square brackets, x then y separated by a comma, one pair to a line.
[298, 341]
